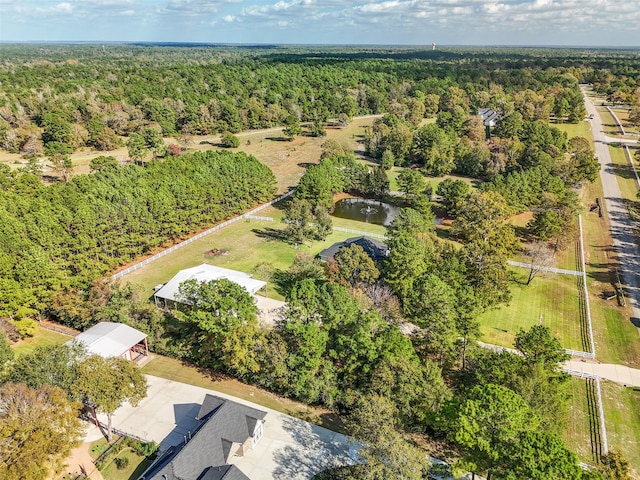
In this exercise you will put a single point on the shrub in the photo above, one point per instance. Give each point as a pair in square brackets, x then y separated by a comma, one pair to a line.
[121, 462]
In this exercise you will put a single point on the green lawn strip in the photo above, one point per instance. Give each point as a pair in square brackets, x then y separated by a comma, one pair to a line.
[616, 338]
[137, 465]
[622, 416]
[98, 447]
[552, 296]
[578, 430]
[580, 129]
[624, 173]
[42, 337]
[609, 123]
[178, 371]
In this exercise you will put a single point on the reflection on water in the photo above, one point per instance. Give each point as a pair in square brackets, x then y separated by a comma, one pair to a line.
[362, 210]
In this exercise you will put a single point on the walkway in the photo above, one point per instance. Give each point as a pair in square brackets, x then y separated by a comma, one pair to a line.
[620, 224]
[629, 377]
[575, 273]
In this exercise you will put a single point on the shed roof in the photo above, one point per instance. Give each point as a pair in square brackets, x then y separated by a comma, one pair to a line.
[207, 273]
[109, 339]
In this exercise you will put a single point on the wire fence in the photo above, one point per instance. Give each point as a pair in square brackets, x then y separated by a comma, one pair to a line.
[177, 246]
[603, 427]
[586, 290]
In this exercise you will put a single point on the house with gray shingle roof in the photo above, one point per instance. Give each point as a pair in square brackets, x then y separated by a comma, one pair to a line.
[375, 249]
[226, 429]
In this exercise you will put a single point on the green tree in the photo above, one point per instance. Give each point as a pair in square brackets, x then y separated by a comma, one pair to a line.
[546, 224]
[351, 266]
[454, 194]
[292, 127]
[540, 455]
[102, 163]
[486, 423]
[386, 454]
[297, 218]
[229, 140]
[538, 345]
[6, 353]
[411, 182]
[108, 383]
[38, 427]
[137, 147]
[216, 311]
[47, 365]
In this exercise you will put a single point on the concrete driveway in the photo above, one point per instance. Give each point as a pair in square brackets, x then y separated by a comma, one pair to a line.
[290, 448]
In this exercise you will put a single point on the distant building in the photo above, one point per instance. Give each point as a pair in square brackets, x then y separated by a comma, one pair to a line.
[490, 119]
[226, 429]
[109, 339]
[375, 249]
[169, 292]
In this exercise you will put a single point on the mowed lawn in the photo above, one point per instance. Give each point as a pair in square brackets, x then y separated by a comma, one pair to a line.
[42, 337]
[577, 433]
[551, 299]
[622, 416]
[245, 244]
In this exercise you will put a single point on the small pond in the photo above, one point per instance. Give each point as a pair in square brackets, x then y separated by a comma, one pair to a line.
[363, 210]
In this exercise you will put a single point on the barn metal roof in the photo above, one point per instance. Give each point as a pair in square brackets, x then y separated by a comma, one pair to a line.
[109, 339]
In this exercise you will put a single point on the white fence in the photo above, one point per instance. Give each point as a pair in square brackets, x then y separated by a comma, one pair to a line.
[603, 426]
[630, 158]
[615, 117]
[161, 254]
[359, 232]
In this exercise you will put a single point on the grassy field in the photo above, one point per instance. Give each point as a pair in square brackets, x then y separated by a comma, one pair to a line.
[178, 371]
[580, 129]
[622, 416]
[578, 431]
[608, 122]
[42, 337]
[552, 297]
[623, 116]
[246, 244]
[288, 160]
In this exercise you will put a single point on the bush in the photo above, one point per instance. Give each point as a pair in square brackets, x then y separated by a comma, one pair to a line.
[144, 449]
[121, 462]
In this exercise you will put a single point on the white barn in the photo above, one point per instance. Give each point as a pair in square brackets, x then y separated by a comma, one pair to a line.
[169, 292]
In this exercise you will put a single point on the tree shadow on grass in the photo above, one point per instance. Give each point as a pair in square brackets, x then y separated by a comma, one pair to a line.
[279, 139]
[273, 234]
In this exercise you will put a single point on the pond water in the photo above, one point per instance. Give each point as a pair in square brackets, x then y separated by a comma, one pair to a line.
[363, 210]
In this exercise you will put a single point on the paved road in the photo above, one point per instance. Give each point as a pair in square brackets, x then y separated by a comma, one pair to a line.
[623, 239]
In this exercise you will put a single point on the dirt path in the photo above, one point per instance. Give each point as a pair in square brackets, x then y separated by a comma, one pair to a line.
[80, 461]
[620, 225]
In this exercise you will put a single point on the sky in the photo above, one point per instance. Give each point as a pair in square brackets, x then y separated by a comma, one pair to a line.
[388, 22]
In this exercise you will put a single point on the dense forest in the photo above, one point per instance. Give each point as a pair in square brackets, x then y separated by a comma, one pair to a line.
[58, 98]
[63, 236]
[391, 345]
